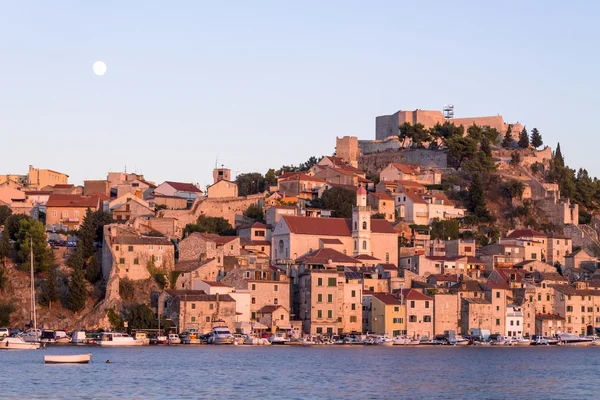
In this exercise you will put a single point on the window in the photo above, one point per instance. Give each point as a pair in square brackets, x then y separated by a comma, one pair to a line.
[259, 233]
[329, 314]
[121, 261]
[319, 314]
[531, 299]
[211, 306]
[512, 322]
[319, 330]
[396, 309]
[275, 301]
[397, 320]
[412, 304]
[253, 315]
[590, 309]
[412, 318]
[54, 213]
[355, 225]
[130, 248]
[353, 293]
[364, 246]
[330, 298]
[319, 281]
[355, 244]
[319, 298]
[330, 330]
[498, 294]
[353, 318]
[193, 319]
[136, 261]
[331, 282]
[339, 319]
[569, 308]
[497, 322]
[151, 247]
[497, 308]
[426, 304]
[207, 319]
[160, 248]
[231, 247]
[547, 297]
[193, 306]
[427, 318]
[353, 306]
[364, 225]
[539, 297]
[281, 317]
[518, 322]
[254, 300]
[533, 256]
[569, 319]
[387, 257]
[117, 248]
[76, 214]
[158, 258]
[254, 286]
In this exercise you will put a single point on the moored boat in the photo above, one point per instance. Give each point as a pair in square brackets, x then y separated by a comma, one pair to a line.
[17, 343]
[115, 339]
[68, 359]
[174, 338]
[278, 338]
[220, 335]
[570, 339]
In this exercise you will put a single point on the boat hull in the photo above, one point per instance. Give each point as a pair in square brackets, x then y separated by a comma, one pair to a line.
[138, 342]
[17, 344]
[70, 359]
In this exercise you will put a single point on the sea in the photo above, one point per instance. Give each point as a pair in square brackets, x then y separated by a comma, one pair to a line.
[296, 372]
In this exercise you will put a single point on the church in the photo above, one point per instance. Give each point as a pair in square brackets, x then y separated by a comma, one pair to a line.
[361, 236]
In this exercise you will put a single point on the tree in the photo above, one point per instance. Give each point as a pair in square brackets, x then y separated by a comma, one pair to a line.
[312, 161]
[476, 199]
[50, 293]
[250, 183]
[140, 316]
[87, 235]
[218, 225]
[93, 272]
[5, 212]
[6, 309]
[126, 289]
[524, 139]
[507, 143]
[12, 225]
[4, 247]
[378, 216]
[77, 294]
[255, 212]
[3, 279]
[420, 135]
[536, 138]
[340, 201]
[445, 132]
[271, 177]
[512, 189]
[33, 232]
[515, 159]
[461, 149]
[405, 132]
[444, 229]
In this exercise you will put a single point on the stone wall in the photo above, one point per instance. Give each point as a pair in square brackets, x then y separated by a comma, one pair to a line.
[347, 148]
[373, 163]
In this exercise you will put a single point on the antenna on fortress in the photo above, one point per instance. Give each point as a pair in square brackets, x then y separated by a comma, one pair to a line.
[449, 111]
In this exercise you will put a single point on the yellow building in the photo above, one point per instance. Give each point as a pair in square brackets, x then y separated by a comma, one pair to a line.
[45, 177]
[387, 315]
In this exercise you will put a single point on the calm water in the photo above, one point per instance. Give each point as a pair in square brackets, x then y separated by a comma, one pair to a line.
[214, 372]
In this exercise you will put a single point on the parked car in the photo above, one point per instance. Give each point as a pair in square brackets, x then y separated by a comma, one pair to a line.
[4, 332]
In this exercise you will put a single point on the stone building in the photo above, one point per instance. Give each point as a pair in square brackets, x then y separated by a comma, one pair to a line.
[222, 189]
[419, 313]
[198, 245]
[445, 313]
[66, 211]
[275, 317]
[189, 272]
[579, 305]
[96, 186]
[197, 310]
[265, 292]
[476, 313]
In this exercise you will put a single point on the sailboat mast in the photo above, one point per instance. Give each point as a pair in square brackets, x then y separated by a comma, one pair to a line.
[32, 287]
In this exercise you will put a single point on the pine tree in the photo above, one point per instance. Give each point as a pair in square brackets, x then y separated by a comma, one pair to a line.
[524, 139]
[508, 140]
[476, 203]
[77, 291]
[558, 159]
[4, 247]
[50, 293]
[536, 138]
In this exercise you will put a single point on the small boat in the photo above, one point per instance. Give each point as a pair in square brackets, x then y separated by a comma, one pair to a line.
[570, 339]
[174, 338]
[160, 339]
[520, 341]
[32, 335]
[78, 337]
[543, 341]
[256, 341]
[54, 337]
[70, 359]
[114, 339]
[17, 343]
[191, 336]
[384, 341]
[278, 338]
[220, 335]
[238, 339]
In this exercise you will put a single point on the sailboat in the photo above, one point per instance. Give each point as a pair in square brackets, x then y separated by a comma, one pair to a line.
[19, 343]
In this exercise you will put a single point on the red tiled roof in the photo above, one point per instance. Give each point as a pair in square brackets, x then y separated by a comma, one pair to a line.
[474, 260]
[73, 200]
[388, 267]
[366, 257]
[63, 186]
[412, 294]
[387, 299]
[416, 198]
[405, 182]
[446, 277]
[382, 196]
[300, 176]
[407, 168]
[253, 225]
[330, 241]
[322, 256]
[183, 187]
[496, 285]
[216, 284]
[331, 226]
[520, 233]
[269, 309]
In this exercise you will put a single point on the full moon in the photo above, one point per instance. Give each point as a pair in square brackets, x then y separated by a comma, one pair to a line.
[99, 68]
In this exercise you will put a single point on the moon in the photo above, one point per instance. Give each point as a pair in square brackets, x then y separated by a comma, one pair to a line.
[99, 68]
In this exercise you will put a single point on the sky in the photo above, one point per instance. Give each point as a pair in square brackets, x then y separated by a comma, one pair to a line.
[255, 85]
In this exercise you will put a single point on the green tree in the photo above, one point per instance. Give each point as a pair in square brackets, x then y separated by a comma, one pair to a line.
[5, 247]
[6, 310]
[461, 149]
[271, 177]
[524, 139]
[3, 280]
[508, 141]
[536, 138]
[126, 289]
[77, 294]
[420, 135]
[5, 212]
[308, 164]
[140, 316]
[115, 320]
[12, 225]
[445, 131]
[87, 235]
[515, 159]
[250, 183]
[340, 201]
[49, 293]
[32, 231]
[512, 189]
[218, 225]
[93, 271]
[255, 212]
[378, 216]
[445, 229]
[405, 132]
[476, 199]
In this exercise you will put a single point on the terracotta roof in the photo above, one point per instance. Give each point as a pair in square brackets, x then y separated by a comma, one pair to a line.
[73, 200]
[387, 299]
[331, 226]
[388, 267]
[300, 176]
[415, 197]
[446, 277]
[150, 240]
[183, 187]
[520, 233]
[269, 309]
[198, 295]
[330, 241]
[37, 192]
[496, 285]
[412, 294]
[322, 256]
[335, 160]
[253, 225]
[506, 274]
[191, 265]
[570, 290]
[366, 257]
[552, 276]
[405, 182]
[216, 284]
[63, 186]
[259, 243]
[407, 168]
[337, 185]
[474, 260]
[382, 196]
[470, 285]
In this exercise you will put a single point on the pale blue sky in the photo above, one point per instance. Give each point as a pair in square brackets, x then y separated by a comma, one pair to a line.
[260, 84]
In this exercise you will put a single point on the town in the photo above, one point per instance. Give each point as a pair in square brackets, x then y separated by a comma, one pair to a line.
[440, 228]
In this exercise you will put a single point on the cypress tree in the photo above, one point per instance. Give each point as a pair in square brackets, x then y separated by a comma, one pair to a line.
[508, 140]
[524, 139]
[77, 291]
[50, 293]
[536, 138]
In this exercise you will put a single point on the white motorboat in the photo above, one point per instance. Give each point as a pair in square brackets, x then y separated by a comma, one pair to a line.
[32, 335]
[114, 339]
[570, 339]
[519, 341]
[17, 343]
[174, 338]
[256, 341]
[78, 337]
[220, 335]
[278, 338]
[403, 341]
[69, 359]
[384, 341]
[54, 337]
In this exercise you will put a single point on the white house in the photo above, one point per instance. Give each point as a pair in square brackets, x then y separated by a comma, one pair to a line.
[422, 208]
